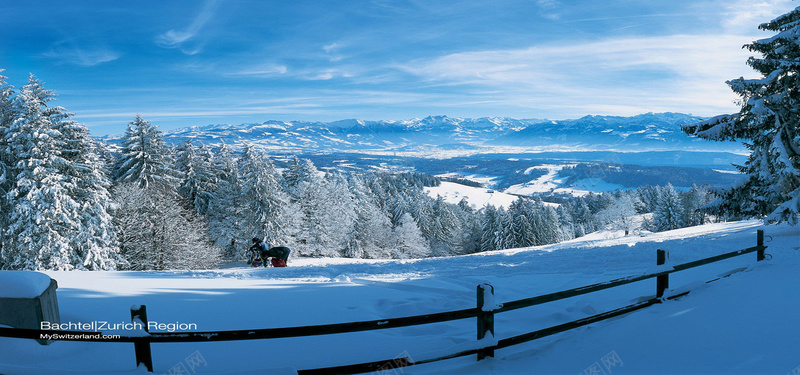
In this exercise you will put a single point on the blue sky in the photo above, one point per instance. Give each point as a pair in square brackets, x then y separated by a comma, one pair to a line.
[185, 63]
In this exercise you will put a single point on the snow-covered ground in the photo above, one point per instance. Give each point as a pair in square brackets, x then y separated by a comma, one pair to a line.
[551, 182]
[477, 197]
[743, 324]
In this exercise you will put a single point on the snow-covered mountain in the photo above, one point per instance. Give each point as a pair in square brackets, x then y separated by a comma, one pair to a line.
[647, 132]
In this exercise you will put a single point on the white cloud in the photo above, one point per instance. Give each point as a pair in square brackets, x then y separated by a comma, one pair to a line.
[81, 56]
[549, 9]
[175, 38]
[678, 73]
[331, 47]
[261, 71]
[746, 15]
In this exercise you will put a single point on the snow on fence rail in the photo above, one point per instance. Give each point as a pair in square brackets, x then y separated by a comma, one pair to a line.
[484, 312]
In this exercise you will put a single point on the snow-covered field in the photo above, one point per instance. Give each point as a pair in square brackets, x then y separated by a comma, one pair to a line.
[743, 324]
[477, 197]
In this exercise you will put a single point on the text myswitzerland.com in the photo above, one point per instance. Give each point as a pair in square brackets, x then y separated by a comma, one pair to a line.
[72, 336]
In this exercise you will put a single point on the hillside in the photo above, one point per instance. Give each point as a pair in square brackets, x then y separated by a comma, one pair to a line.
[702, 332]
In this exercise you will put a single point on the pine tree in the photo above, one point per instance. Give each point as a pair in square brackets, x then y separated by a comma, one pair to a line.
[490, 228]
[768, 124]
[410, 242]
[6, 157]
[669, 212]
[335, 215]
[693, 202]
[263, 200]
[372, 230]
[470, 224]
[567, 230]
[95, 243]
[145, 159]
[226, 212]
[41, 213]
[199, 179]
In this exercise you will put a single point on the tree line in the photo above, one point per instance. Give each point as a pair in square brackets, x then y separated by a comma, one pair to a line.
[69, 202]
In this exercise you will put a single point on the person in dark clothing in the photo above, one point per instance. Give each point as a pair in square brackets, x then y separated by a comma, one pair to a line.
[279, 254]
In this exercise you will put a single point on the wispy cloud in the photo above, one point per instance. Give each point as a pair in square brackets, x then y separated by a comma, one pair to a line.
[260, 71]
[176, 38]
[332, 50]
[642, 73]
[743, 14]
[81, 56]
[550, 9]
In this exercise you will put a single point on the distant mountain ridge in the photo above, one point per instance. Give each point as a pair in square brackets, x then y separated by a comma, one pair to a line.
[645, 132]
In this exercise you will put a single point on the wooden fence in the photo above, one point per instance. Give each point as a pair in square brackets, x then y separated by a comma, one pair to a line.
[484, 312]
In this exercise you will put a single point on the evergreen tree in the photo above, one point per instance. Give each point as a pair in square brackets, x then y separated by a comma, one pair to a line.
[335, 215]
[145, 158]
[470, 224]
[56, 199]
[693, 202]
[199, 178]
[6, 157]
[95, 243]
[567, 230]
[669, 212]
[768, 124]
[372, 230]
[226, 212]
[263, 201]
[410, 242]
[490, 228]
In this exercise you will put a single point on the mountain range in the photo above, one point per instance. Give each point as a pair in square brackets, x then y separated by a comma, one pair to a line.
[645, 132]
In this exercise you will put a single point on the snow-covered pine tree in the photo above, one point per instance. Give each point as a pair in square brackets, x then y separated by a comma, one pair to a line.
[262, 199]
[145, 159]
[372, 230]
[545, 224]
[410, 242]
[335, 214]
[6, 116]
[470, 227]
[95, 243]
[42, 216]
[199, 178]
[440, 226]
[226, 213]
[582, 218]
[669, 212]
[768, 124]
[693, 202]
[566, 228]
[521, 233]
[490, 228]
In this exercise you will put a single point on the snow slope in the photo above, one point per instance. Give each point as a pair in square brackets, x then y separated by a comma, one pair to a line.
[477, 197]
[743, 324]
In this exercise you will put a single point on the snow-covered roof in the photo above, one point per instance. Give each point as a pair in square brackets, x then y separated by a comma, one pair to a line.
[22, 284]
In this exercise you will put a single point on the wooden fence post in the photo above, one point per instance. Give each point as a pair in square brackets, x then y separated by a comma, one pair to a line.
[142, 346]
[760, 244]
[662, 282]
[486, 308]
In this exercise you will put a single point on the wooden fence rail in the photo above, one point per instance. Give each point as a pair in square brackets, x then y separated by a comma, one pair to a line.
[484, 312]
